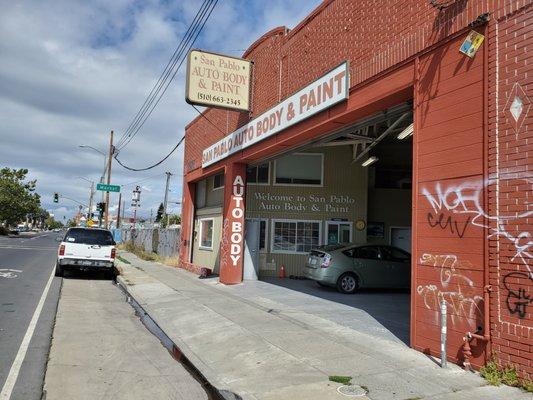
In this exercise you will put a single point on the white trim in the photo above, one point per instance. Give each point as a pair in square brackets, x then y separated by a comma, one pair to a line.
[269, 176]
[273, 222]
[200, 220]
[327, 222]
[301, 184]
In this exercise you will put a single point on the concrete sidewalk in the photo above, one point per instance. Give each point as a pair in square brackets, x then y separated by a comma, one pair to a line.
[100, 350]
[258, 348]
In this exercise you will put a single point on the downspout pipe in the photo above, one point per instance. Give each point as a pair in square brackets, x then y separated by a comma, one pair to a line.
[469, 336]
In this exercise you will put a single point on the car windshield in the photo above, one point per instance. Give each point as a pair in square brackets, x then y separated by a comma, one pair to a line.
[89, 236]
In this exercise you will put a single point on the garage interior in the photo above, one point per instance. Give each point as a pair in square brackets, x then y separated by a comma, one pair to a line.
[380, 147]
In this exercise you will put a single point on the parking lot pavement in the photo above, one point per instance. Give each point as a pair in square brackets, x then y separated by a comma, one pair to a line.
[100, 350]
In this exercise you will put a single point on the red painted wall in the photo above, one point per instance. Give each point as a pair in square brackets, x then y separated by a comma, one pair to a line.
[448, 234]
[472, 161]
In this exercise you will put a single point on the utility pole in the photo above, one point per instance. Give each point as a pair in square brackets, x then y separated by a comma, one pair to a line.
[111, 151]
[89, 216]
[119, 204]
[166, 196]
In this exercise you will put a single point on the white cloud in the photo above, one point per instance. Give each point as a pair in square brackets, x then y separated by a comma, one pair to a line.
[73, 70]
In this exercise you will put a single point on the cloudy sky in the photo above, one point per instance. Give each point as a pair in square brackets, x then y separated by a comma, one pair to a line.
[70, 71]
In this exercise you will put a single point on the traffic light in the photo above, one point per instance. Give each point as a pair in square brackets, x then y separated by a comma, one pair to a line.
[56, 197]
[100, 207]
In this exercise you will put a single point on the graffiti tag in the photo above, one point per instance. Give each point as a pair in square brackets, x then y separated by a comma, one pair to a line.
[455, 289]
[518, 297]
[443, 223]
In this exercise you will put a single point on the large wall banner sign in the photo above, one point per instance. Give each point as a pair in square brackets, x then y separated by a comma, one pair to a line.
[214, 80]
[323, 93]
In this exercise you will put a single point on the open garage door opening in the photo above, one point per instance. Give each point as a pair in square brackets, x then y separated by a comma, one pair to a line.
[334, 217]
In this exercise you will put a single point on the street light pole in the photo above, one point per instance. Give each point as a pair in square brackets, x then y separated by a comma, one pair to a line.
[91, 195]
[102, 177]
[109, 159]
[91, 203]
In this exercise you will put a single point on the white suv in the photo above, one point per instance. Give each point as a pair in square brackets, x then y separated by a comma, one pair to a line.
[86, 249]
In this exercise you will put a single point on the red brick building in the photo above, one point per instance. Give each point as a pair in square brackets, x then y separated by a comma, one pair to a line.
[472, 154]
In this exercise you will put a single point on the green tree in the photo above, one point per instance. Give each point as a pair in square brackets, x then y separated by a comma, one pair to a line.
[51, 223]
[159, 214]
[17, 196]
[174, 219]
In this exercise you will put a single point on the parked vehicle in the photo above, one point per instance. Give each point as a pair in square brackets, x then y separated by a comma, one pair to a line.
[86, 249]
[351, 267]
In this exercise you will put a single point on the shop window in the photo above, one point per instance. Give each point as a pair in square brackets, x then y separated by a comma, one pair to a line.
[200, 194]
[258, 174]
[338, 232]
[218, 181]
[262, 235]
[295, 236]
[299, 169]
[206, 233]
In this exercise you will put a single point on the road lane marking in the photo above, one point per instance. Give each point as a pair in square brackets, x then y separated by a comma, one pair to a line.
[5, 394]
[26, 248]
[9, 273]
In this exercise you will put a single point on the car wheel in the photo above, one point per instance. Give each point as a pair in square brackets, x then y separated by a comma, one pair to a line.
[59, 270]
[347, 283]
[112, 274]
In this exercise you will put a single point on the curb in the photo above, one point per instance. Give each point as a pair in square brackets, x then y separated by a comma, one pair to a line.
[186, 358]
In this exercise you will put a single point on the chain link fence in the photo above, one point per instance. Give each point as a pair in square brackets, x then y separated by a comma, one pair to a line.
[164, 242]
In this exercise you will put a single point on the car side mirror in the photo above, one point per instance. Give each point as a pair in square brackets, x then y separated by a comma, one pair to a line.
[59, 238]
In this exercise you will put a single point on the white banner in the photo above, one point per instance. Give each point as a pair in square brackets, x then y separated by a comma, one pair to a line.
[323, 93]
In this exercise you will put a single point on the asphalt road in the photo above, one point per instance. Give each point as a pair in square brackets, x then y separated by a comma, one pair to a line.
[26, 265]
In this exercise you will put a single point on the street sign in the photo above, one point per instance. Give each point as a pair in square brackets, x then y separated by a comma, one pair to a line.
[107, 188]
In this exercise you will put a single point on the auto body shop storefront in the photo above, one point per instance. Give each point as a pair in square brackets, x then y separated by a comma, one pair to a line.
[455, 193]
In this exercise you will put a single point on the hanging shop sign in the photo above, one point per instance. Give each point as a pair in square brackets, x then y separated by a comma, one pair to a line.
[323, 93]
[214, 80]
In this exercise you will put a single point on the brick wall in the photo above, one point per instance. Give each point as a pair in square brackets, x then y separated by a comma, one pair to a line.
[372, 37]
[510, 188]
[469, 146]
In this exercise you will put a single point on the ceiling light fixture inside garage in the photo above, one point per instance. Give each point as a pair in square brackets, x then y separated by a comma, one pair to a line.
[406, 132]
[369, 161]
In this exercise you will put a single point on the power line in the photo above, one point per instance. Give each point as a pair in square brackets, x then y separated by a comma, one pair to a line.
[143, 180]
[193, 35]
[208, 120]
[162, 78]
[168, 84]
[154, 165]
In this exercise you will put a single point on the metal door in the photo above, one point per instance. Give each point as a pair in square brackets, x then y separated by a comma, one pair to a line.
[251, 250]
[401, 238]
